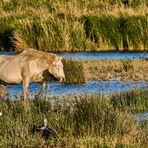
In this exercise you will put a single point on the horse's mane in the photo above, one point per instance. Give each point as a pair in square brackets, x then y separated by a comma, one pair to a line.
[32, 54]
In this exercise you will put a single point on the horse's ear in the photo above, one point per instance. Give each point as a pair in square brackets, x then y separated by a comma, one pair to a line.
[61, 57]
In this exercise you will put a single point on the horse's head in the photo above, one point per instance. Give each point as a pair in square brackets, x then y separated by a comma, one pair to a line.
[56, 69]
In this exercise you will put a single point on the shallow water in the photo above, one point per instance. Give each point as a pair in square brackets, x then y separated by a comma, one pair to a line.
[94, 87]
[6, 53]
[60, 90]
[107, 55]
[142, 116]
[99, 55]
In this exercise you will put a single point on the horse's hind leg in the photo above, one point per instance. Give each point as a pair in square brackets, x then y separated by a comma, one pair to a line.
[2, 91]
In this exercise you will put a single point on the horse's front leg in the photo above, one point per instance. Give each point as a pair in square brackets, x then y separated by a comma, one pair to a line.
[25, 88]
[2, 91]
[43, 84]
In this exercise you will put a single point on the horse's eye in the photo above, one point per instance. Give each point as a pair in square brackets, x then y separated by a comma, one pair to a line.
[57, 66]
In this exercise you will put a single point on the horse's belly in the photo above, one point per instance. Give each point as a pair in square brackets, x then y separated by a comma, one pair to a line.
[11, 78]
[10, 73]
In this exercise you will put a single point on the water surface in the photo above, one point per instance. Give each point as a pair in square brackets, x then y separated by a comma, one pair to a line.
[107, 55]
[142, 116]
[91, 87]
[99, 55]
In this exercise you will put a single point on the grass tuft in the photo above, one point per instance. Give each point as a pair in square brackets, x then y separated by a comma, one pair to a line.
[74, 72]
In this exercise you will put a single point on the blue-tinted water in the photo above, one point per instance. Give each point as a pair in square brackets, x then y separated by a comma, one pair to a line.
[99, 55]
[107, 55]
[142, 116]
[6, 53]
[93, 87]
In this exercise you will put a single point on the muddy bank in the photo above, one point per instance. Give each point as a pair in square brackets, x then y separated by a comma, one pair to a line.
[124, 69]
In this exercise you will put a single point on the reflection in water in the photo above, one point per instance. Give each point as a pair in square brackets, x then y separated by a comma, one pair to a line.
[95, 87]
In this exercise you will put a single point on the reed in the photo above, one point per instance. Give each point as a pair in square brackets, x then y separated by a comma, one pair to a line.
[121, 32]
[73, 25]
[6, 33]
[103, 32]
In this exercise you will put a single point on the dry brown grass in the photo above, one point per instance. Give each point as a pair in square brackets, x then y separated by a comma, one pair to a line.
[76, 8]
[130, 11]
[124, 69]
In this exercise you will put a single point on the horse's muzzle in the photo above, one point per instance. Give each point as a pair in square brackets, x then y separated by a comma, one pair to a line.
[61, 79]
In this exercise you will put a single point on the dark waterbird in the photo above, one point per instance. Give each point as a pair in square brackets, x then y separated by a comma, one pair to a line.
[43, 130]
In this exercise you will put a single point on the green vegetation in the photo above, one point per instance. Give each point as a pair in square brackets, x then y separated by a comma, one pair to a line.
[74, 71]
[134, 100]
[74, 25]
[121, 32]
[82, 121]
[78, 25]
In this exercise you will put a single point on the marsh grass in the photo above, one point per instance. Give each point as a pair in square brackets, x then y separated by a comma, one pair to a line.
[6, 33]
[105, 32]
[88, 120]
[121, 32]
[134, 100]
[74, 71]
[73, 25]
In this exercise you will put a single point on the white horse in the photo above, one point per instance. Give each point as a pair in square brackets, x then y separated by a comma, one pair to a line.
[29, 66]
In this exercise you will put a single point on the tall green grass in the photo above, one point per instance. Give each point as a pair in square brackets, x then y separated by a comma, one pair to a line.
[9, 5]
[118, 33]
[6, 33]
[74, 72]
[134, 100]
[84, 121]
[73, 25]
[103, 32]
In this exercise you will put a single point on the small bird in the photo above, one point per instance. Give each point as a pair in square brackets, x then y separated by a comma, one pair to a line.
[44, 131]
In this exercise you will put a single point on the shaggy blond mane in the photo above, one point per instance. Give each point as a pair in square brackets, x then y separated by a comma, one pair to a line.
[32, 54]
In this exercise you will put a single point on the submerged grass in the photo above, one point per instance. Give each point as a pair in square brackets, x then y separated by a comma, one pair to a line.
[85, 121]
[74, 25]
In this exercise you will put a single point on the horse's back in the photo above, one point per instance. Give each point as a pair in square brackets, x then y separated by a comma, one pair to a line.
[5, 58]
